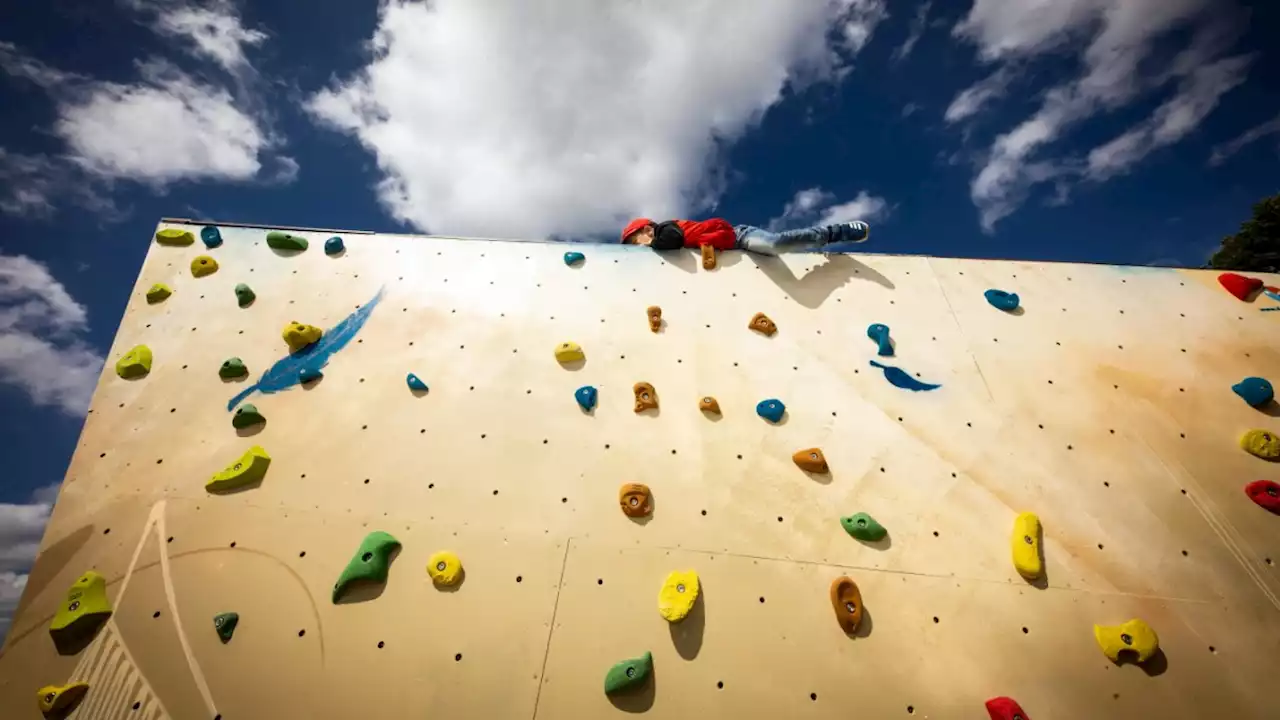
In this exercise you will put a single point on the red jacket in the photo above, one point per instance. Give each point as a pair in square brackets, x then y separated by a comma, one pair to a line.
[716, 232]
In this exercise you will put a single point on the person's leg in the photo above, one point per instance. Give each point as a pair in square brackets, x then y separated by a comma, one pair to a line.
[763, 242]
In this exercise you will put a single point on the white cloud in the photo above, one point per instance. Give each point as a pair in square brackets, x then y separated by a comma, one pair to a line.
[21, 528]
[973, 98]
[1225, 150]
[815, 206]
[909, 109]
[42, 345]
[215, 30]
[918, 25]
[531, 119]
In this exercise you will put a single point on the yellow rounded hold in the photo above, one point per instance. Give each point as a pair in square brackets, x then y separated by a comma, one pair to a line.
[204, 265]
[444, 568]
[60, 699]
[1026, 546]
[1134, 636]
[1262, 443]
[567, 352]
[135, 363]
[173, 236]
[678, 594]
[158, 292]
[250, 468]
[299, 335]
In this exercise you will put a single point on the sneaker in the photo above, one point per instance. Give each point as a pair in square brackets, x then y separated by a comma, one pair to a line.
[856, 231]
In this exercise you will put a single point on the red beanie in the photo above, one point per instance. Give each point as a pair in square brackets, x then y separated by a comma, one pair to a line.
[634, 226]
[1240, 286]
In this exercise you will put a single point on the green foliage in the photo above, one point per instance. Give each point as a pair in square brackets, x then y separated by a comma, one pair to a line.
[1257, 246]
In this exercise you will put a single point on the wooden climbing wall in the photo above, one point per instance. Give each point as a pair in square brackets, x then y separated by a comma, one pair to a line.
[1104, 406]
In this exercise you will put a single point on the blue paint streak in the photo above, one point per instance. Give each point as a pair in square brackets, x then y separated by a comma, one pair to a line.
[901, 378]
[285, 373]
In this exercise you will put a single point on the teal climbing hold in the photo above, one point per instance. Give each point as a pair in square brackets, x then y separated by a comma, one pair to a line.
[1254, 390]
[246, 415]
[225, 625]
[863, 527]
[901, 378]
[284, 241]
[572, 258]
[771, 409]
[232, 368]
[586, 397]
[307, 374]
[244, 295]
[210, 236]
[415, 383]
[1002, 300]
[334, 245]
[370, 563]
[628, 673]
[880, 333]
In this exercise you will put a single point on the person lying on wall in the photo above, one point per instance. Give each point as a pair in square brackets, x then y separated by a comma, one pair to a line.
[719, 234]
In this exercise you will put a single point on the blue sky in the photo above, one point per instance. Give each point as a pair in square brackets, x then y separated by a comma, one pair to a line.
[1116, 131]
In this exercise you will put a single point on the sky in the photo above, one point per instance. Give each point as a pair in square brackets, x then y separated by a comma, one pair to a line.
[1116, 131]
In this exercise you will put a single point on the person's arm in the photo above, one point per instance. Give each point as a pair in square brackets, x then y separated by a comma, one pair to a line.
[667, 236]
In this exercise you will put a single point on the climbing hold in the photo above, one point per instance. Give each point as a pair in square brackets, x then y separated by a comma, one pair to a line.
[203, 265]
[232, 368]
[334, 245]
[628, 673]
[284, 241]
[571, 258]
[863, 527]
[901, 378]
[370, 563]
[880, 333]
[135, 363]
[299, 335]
[415, 383]
[444, 568]
[1002, 300]
[210, 236]
[708, 257]
[158, 292]
[307, 374]
[761, 323]
[1003, 708]
[635, 499]
[1254, 390]
[811, 460]
[646, 396]
[586, 397]
[250, 468]
[655, 318]
[1026, 546]
[60, 700]
[1261, 443]
[568, 352]
[85, 608]
[247, 415]
[709, 404]
[771, 409]
[1265, 493]
[1134, 636]
[172, 236]
[1239, 285]
[244, 295]
[678, 594]
[225, 625]
[846, 600]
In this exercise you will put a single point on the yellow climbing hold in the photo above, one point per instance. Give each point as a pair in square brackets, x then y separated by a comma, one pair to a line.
[158, 292]
[444, 568]
[299, 335]
[60, 700]
[172, 236]
[1134, 636]
[1262, 443]
[678, 594]
[250, 468]
[1026, 546]
[135, 363]
[567, 352]
[204, 265]
[85, 607]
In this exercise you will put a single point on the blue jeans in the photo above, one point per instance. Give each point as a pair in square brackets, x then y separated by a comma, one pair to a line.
[764, 242]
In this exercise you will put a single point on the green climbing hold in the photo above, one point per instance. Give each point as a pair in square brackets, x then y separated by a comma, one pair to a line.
[370, 563]
[232, 368]
[158, 293]
[628, 674]
[284, 241]
[225, 625]
[174, 236]
[863, 527]
[85, 608]
[247, 415]
[244, 295]
[135, 363]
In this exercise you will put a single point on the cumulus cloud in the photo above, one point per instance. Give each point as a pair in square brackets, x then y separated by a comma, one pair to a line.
[212, 30]
[1223, 151]
[510, 118]
[815, 206]
[21, 528]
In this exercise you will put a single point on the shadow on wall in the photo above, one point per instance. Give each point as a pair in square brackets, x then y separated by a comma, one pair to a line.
[51, 562]
[815, 286]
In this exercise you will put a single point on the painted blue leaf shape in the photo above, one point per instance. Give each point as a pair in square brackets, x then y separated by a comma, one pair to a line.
[901, 378]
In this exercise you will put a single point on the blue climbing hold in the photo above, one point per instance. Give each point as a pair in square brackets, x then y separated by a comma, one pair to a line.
[586, 397]
[901, 378]
[210, 236]
[1002, 300]
[771, 409]
[880, 333]
[415, 383]
[573, 257]
[1254, 390]
[334, 245]
[307, 374]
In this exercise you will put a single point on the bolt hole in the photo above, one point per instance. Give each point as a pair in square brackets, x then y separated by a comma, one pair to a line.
[301, 633]
[457, 658]
[155, 614]
[519, 578]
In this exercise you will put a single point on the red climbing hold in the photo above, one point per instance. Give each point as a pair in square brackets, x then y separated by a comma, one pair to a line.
[1265, 493]
[1240, 286]
[1003, 708]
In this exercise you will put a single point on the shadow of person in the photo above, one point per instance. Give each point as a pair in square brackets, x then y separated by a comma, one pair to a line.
[685, 259]
[817, 284]
[686, 635]
[640, 699]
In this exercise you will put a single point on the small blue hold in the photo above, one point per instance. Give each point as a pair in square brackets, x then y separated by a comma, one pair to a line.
[1254, 390]
[1002, 300]
[307, 374]
[771, 409]
[334, 245]
[586, 397]
[573, 257]
[901, 378]
[880, 333]
[210, 236]
[415, 383]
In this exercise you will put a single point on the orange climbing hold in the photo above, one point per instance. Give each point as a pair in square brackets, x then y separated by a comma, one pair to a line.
[846, 600]
[708, 257]
[646, 397]
[655, 318]
[811, 460]
[761, 323]
[708, 404]
[635, 499]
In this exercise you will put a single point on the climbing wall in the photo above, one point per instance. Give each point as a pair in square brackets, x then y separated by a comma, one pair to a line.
[1103, 404]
